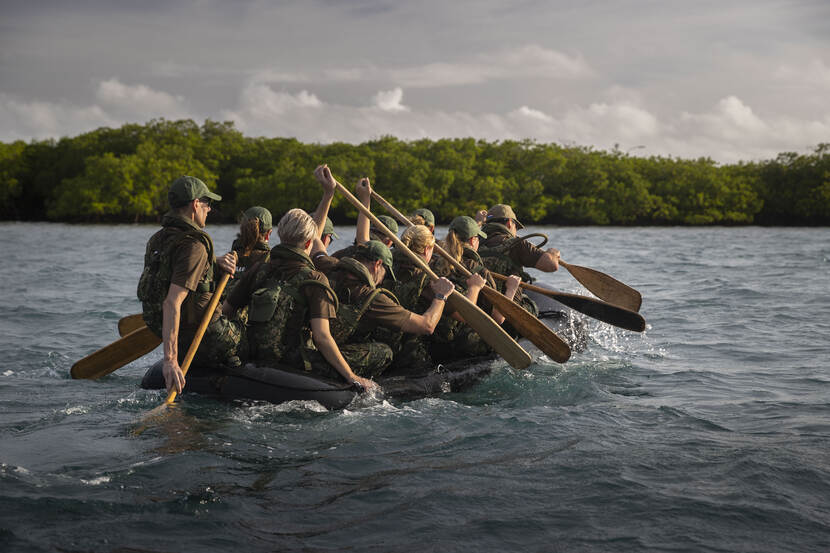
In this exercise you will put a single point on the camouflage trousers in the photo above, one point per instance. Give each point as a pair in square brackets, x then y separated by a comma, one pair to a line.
[224, 339]
[368, 359]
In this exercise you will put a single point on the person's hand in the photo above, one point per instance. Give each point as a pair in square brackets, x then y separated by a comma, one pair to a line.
[481, 216]
[323, 175]
[554, 254]
[475, 281]
[173, 375]
[442, 287]
[227, 263]
[363, 190]
[511, 285]
[366, 383]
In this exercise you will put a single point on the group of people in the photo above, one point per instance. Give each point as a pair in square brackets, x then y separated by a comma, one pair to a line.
[354, 314]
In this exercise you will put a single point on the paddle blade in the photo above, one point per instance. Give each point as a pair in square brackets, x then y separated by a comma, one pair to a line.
[529, 326]
[490, 332]
[606, 287]
[114, 356]
[130, 323]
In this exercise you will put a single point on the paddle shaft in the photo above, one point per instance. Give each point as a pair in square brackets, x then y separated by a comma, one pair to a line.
[598, 309]
[486, 327]
[528, 326]
[200, 332]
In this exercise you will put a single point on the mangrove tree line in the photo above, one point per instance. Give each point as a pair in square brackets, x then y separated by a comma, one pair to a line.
[123, 174]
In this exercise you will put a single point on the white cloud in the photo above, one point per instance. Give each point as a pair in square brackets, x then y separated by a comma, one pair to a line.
[531, 113]
[39, 120]
[141, 100]
[390, 100]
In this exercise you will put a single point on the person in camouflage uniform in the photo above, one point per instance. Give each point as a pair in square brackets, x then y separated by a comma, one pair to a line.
[505, 253]
[291, 305]
[177, 284]
[251, 247]
[363, 305]
[461, 243]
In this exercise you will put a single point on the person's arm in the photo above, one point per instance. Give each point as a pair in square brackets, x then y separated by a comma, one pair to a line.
[171, 317]
[510, 288]
[323, 175]
[426, 323]
[475, 282]
[324, 341]
[363, 191]
[549, 262]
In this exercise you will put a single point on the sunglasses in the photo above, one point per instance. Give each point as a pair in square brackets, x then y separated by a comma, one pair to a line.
[207, 201]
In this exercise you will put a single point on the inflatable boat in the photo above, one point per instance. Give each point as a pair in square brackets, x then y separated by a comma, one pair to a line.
[280, 384]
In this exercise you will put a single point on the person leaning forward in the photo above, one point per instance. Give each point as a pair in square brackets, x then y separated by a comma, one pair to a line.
[177, 284]
[364, 306]
[290, 301]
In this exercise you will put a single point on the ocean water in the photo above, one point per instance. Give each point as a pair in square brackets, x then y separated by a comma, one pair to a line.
[707, 432]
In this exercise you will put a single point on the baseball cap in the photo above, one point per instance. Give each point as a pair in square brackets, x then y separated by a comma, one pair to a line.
[328, 228]
[426, 214]
[186, 189]
[466, 227]
[388, 222]
[264, 216]
[374, 250]
[503, 211]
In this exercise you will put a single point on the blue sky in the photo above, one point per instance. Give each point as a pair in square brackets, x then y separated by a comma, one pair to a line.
[740, 80]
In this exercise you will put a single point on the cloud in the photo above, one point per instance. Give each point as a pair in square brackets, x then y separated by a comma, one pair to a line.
[390, 100]
[815, 73]
[40, 120]
[531, 113]
[140, 100]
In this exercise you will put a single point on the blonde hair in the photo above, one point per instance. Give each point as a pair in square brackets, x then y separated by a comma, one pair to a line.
[454, 246]
[418, 238]
[296, 228]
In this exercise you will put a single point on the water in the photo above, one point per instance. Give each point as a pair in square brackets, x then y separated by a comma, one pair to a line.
[708, 432]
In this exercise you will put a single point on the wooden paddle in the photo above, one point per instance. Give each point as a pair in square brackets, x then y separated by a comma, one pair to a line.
[486, 327]
[194, 345]
[135, 344]
[525, 323]
[600, 310]
[606, 287]
[129, 323]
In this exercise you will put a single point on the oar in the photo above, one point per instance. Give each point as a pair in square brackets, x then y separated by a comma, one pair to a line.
[606, 287]
[525, 323]
[129, 323]
[486, 327]
[194, 345]
[137, 343]
[600, 310]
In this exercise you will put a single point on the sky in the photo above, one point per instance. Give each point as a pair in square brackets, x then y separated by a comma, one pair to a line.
[730, 80]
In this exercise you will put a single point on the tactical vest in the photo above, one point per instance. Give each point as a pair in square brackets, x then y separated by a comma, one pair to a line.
[496, 257]
[277, 315]
[352, 309]
[260, 253]
[408, 288]
[154, 283]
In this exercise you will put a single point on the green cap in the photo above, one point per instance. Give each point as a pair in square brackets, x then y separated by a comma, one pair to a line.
[466, 227]
[186, 189]
[389, 223]
[503, 211]
[328, 228]
[374, 250]
[426, 214]
[259, 212]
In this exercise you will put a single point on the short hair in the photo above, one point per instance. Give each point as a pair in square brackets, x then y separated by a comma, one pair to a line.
[296, 227]
[418, 238]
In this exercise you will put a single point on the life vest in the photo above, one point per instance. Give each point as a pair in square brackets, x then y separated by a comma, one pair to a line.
[352, 309]
[277, 314]
[154, 283]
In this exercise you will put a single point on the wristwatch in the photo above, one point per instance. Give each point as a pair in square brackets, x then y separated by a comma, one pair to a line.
[439, 297]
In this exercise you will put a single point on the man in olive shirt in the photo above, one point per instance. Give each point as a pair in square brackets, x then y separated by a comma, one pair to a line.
[178, 282]
[501, 226]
